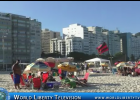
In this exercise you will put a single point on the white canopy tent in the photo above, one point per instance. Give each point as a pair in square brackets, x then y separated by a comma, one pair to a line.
[98, 60]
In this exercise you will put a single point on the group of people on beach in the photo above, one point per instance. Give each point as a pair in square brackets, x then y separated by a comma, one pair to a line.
[81, 67]
[17, 74]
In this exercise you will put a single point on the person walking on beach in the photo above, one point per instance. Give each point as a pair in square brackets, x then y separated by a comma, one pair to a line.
[16, 74]
[82, 68]
[86, 66]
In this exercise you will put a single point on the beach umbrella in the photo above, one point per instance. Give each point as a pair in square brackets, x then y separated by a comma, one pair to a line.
[40, 60]
[50, 59]
[28, 68]
[67, 66]
[50, 64]
[124, 64]
[116, 63]
[38, 66]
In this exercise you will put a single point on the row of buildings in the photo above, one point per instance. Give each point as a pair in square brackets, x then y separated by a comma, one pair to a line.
[23, 38]
[79, 38]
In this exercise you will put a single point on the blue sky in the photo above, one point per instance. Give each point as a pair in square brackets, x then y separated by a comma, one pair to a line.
[55, 15]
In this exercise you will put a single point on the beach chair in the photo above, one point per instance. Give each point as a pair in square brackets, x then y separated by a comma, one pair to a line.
[137, 71]
[71, 83]
[11, 76]
[36, 83]
[45, 77]
[85, 79]
[22, 83]
[24, 76]
[60, 77]
[29, 77]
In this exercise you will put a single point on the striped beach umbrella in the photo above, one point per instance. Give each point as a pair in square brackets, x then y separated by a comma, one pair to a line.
[38, 66]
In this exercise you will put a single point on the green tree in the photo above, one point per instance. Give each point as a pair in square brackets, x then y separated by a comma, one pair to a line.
[43, 54]
[79, 56]
[55, 54]
[118, 55]
[92, 56]
[132, 57]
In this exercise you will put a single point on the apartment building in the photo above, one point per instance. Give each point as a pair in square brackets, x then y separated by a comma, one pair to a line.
[35, 31]
[114, 42]
[46, 36]
[16, 30]
[130, 44]
[78, 30]
[57, 45]
[64, 47]
[98, 35]
[54, 45]
[135, 40]
[5, 39]
[21, 38]
[73, 44]
[126, 43]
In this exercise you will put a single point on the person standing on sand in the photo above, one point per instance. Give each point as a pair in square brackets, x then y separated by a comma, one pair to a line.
[16, 74]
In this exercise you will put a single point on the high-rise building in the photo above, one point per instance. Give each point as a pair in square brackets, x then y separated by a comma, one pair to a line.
[113, 42]
[5, 39]
[18, 34]
[98, 35]
[73, 44]
[130, 45]
[64, 47]
[21, 38]
[81, 31]
[57, 45]
[46, 36]
[135, 42]
[126, 43]
[35, 31]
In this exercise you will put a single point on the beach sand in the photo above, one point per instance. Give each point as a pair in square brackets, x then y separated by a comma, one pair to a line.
[98, 82]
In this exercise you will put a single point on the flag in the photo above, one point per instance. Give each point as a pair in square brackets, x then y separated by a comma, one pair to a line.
[102, 48]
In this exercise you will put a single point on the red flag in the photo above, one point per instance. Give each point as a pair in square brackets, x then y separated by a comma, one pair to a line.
[99, 46]
[102, 48]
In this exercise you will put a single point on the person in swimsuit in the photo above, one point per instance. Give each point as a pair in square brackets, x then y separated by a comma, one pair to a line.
[16, 74]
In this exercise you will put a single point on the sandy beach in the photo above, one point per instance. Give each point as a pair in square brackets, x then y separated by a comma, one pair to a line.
[98, 82]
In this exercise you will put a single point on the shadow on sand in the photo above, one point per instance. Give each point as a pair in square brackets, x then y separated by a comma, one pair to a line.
[3, 81]
[5, 72]
[99, 84]
[80, 89]
[100, 74]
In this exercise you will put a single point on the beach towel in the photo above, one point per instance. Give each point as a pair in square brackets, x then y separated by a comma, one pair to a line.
[16, 78]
